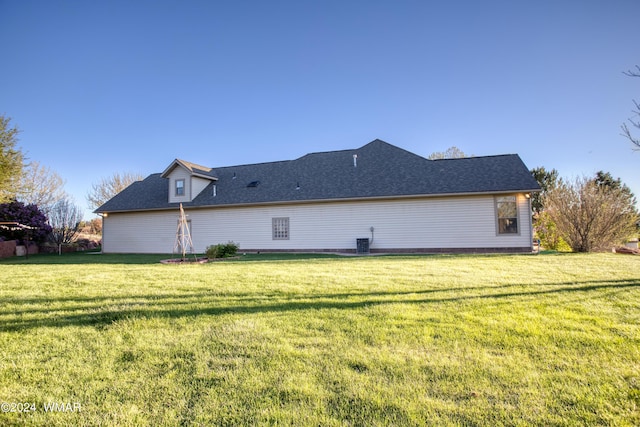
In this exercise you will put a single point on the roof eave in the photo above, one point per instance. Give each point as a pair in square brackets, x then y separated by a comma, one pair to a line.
[203, 176]
[328, 200]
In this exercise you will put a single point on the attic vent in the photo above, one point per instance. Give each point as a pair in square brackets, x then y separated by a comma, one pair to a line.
[253, 184]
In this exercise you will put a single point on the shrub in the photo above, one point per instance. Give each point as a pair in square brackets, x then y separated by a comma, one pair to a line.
[547, 231]
[222, 250]
[592, 216]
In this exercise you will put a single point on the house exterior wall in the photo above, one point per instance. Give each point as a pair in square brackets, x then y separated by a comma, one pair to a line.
[422, 224]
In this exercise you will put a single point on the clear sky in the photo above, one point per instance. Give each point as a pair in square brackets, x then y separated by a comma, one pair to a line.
[99, 87]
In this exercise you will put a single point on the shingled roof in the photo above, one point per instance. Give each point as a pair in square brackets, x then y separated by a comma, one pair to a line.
[380, 170]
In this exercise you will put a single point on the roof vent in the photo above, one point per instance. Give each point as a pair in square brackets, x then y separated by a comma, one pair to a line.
[253, 184]
[355, 160]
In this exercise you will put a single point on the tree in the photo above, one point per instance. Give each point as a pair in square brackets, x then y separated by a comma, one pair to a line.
[547, 181]
[109, 187]
[545, 229]
[451, 153]
[64, 219]
[605, 179]
[10, 160]
[41, 186]
[29, 215]
[626, 132]
[590, 216]
[94, 226]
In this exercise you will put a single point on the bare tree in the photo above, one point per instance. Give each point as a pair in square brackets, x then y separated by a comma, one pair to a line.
[10, 160]
[451, 153]
[626, 132]
[591, 217]
[109, 187]
[64, 218]
[41, 186]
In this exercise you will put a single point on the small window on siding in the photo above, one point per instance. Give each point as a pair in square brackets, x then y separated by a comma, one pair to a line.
[280, 227]
[179, 187]
[507, 213]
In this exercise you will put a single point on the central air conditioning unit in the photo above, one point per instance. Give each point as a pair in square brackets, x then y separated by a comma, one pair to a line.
[362, 246]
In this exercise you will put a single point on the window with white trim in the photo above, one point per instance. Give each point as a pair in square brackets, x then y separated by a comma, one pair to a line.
[179, 187]
[280, 228]
[507, 214]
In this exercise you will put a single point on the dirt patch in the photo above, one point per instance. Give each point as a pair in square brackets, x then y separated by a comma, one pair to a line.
[627, 251]
[185, 261]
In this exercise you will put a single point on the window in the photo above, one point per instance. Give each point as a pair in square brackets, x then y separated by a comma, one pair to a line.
[507, 212]
[280, 227]
[179, 187]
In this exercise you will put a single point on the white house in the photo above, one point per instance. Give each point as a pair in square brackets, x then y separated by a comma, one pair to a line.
[390, 199]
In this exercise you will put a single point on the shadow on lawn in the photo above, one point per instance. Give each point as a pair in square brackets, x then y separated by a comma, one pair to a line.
[101, 312]
[75, 258]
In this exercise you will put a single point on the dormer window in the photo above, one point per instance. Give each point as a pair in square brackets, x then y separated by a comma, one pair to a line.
[187, 180]
[179, 187]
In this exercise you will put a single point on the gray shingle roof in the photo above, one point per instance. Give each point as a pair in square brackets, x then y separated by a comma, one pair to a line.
[382, 170]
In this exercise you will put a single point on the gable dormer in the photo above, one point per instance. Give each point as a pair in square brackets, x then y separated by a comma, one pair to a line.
[186, 180]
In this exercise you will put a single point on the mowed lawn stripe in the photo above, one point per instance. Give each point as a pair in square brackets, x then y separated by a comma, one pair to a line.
[552, 339]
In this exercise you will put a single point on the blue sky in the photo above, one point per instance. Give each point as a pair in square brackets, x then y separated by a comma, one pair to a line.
[99, 87]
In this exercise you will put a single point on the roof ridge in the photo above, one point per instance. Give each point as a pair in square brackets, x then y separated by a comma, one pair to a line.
[250, 164]
[192, 165]
[326, 152]
[474, 157]
[377, 140]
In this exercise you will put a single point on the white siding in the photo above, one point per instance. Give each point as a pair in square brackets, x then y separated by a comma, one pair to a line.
[148, 232]
[427, 223]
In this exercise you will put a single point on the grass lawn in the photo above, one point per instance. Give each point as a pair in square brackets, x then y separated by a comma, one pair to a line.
[552, 339]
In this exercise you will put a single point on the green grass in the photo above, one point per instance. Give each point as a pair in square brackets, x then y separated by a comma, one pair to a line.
[323, 340]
